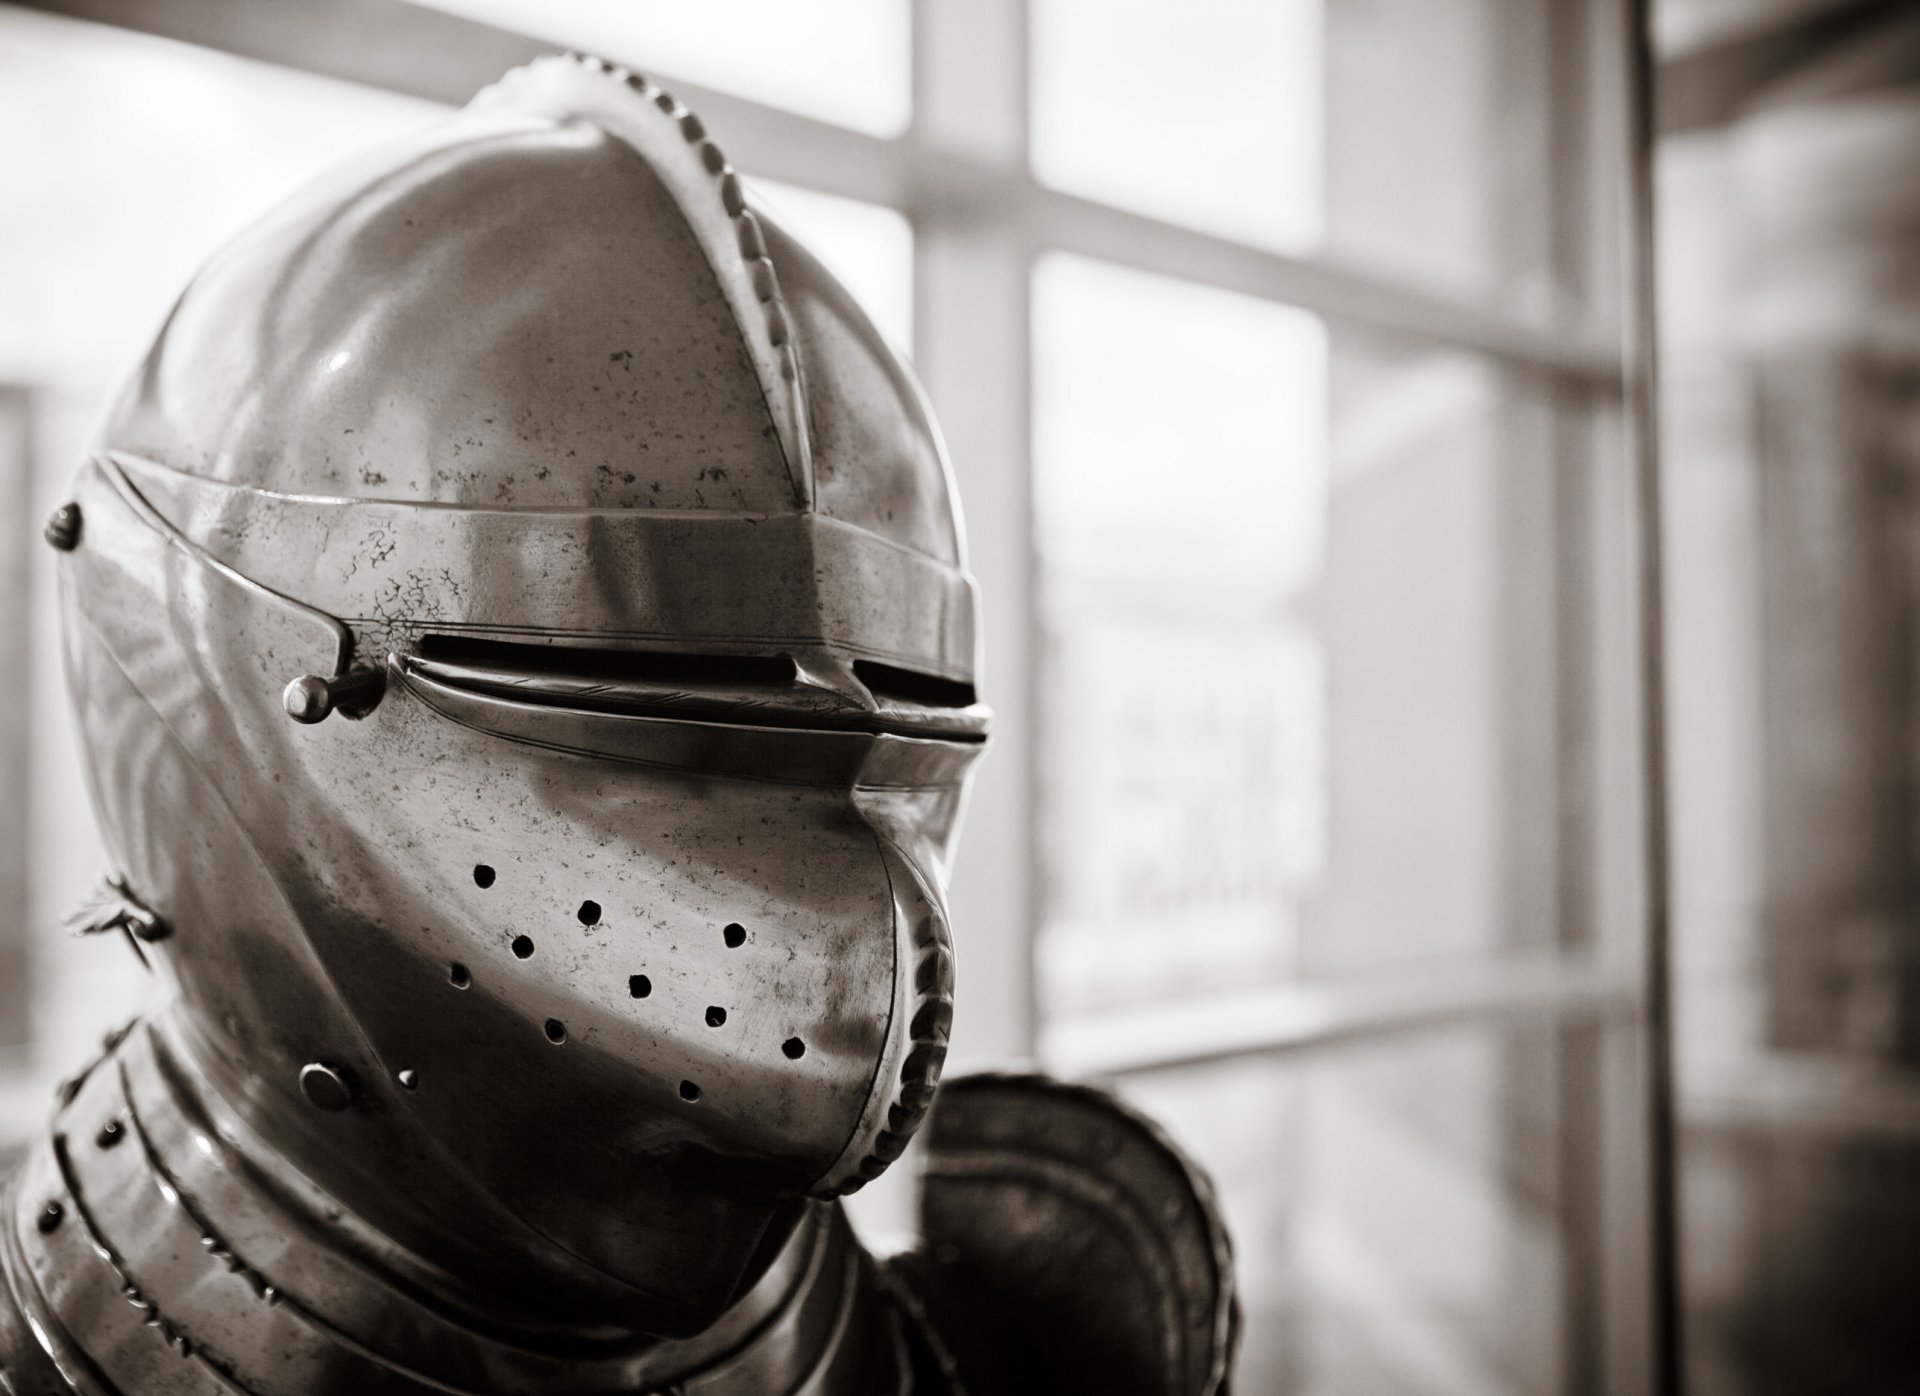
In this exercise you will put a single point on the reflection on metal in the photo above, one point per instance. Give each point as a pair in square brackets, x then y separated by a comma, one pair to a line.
[1314, 1015]
[521, 1035]
[382, 43]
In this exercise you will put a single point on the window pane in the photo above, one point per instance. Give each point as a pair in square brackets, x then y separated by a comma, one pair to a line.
[845, 61]
[1209, 112]
[1317, 618]
[868, 247]
[1402, 1218]
[1401, 135]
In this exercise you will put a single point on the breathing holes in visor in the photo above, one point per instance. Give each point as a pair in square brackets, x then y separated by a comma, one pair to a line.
[794, 1048]
[556, 1031]
[638, 986]
[909, 686]
[459, 975]
[523, 947]
[589, 913]
[735, 935]
[482, 875]
[689, 1092]
[716, 1016]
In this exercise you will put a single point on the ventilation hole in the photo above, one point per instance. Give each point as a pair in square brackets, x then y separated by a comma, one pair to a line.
[482, 875]
[556, 1031]
[638, 986]
[794, 1048]
[523, 946]
[736, 935]
[589, 913]
[716, 1017]
[689, 1092]
[459, 975]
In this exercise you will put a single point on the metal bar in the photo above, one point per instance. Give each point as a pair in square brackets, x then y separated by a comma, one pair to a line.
[1295, 1017]
[1656, 967]
[446, 57]
[1319, 284]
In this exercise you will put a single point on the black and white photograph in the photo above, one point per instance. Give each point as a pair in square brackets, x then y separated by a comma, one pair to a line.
[959, 697]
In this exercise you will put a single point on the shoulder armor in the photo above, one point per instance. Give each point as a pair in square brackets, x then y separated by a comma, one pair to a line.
[1069, 1246]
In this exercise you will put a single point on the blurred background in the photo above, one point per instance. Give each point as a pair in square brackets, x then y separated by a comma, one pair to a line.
[1288, 352]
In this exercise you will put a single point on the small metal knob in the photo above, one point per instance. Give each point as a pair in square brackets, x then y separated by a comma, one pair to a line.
[63, 527]
[355, 693]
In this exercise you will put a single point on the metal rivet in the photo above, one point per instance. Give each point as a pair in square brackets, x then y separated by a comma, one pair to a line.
[111, 1133]
[665, 102]
[712, 157]
[692, 128]
[325, 1087]
[63, 527]
[408, 1078]
[732, 197]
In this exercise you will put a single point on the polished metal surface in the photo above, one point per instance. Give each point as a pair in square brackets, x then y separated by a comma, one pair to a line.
[1070, 1246]
[525, 655]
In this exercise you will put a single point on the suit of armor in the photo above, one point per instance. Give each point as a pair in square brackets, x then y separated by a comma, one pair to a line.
[519, 624]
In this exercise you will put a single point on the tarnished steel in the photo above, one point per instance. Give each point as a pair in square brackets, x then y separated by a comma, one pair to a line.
[523, 644]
